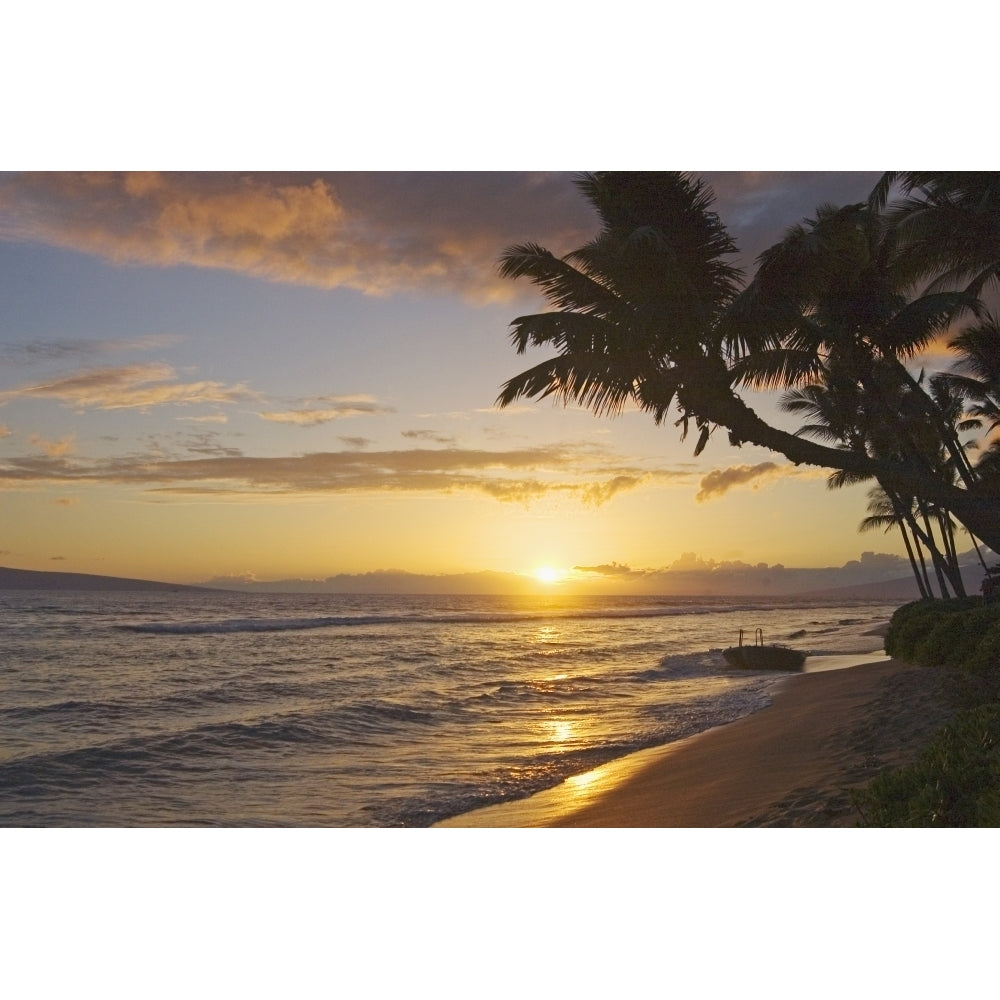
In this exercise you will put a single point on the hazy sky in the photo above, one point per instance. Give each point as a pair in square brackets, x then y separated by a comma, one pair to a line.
[292, 375]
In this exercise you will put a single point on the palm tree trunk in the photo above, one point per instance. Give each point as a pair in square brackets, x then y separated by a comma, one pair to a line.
[936, 557]
[945, 431]
[948, 534]
[923, 566]
[924, 592]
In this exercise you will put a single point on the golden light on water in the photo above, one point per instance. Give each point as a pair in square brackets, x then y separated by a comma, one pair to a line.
[560, 730]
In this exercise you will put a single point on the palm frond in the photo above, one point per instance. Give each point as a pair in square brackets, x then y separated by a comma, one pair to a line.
[767, 370]
[572, 331]
[842, 478]
[565, 286]
[917, 323]
[573, 378]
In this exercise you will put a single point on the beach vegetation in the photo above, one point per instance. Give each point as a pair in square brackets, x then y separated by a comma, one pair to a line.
[955, 782]
[653, 313]
[956, 779]
[960, 636]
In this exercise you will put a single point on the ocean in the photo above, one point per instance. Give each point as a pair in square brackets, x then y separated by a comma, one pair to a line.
[211, 708]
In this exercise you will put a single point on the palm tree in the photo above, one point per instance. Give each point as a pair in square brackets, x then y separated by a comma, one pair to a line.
[975, 375]
[830, 295]
[947, 225]
[839, 413]
[886, 512]
[647, 313]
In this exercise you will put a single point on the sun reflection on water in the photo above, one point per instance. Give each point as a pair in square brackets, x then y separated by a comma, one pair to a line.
[560, 730]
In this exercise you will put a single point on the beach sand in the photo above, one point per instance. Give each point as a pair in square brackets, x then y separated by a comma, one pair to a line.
[791, 764]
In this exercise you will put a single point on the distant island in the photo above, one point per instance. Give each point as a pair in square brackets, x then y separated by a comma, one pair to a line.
[394, 582]
[27, 579]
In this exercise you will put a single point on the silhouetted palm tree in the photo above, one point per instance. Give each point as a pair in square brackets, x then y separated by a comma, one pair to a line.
[947, 225]
[839, 413]
[650, 312]
[885, 512]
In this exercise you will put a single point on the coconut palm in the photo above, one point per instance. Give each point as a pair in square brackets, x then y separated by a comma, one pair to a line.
[885, 512]
[975, 374]
[839, 413]
[947, 225]
[651, 313]
[830, 295]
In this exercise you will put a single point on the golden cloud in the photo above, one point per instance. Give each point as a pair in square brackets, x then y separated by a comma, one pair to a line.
[720, 481]
[127, 387]
[54, 449]
[374, 232]
[511, 476]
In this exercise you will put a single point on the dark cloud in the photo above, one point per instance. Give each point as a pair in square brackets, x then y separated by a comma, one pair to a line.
[757, 207]
[355, 442]
[434, 436]
[43, 351]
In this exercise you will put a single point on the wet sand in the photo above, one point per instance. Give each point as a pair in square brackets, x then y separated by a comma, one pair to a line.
[792, 764]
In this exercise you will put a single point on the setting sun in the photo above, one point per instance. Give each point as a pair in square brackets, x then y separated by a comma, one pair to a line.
[549, 574]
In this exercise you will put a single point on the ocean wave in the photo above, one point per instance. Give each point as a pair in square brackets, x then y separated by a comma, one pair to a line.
[220, 626]
[252, 625]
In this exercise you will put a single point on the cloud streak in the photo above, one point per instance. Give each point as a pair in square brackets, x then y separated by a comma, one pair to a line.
[518, 476]
[42, 351]
[324, 409]
[127, 387]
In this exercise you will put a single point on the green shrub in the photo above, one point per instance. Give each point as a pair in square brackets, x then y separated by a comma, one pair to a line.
[955, 637]
[914, 623]
[955, 781]
[978, 675]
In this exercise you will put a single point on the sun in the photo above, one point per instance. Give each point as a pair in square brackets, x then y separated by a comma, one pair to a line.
[549, 574]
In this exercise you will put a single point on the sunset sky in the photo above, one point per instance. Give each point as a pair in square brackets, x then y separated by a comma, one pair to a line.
[214, 375]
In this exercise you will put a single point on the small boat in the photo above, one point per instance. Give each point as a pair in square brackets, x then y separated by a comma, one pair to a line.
[761, 657]
[764, 657]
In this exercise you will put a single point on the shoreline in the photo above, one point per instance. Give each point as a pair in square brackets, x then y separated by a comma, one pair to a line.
[792, 763]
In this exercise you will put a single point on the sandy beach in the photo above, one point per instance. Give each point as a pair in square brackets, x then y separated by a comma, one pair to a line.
[792, 764]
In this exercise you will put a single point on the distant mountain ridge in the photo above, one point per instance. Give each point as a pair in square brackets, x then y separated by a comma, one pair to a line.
[799, 583]
[29, 579]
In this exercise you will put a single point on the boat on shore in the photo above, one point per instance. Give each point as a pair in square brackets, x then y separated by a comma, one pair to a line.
[760, 656]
